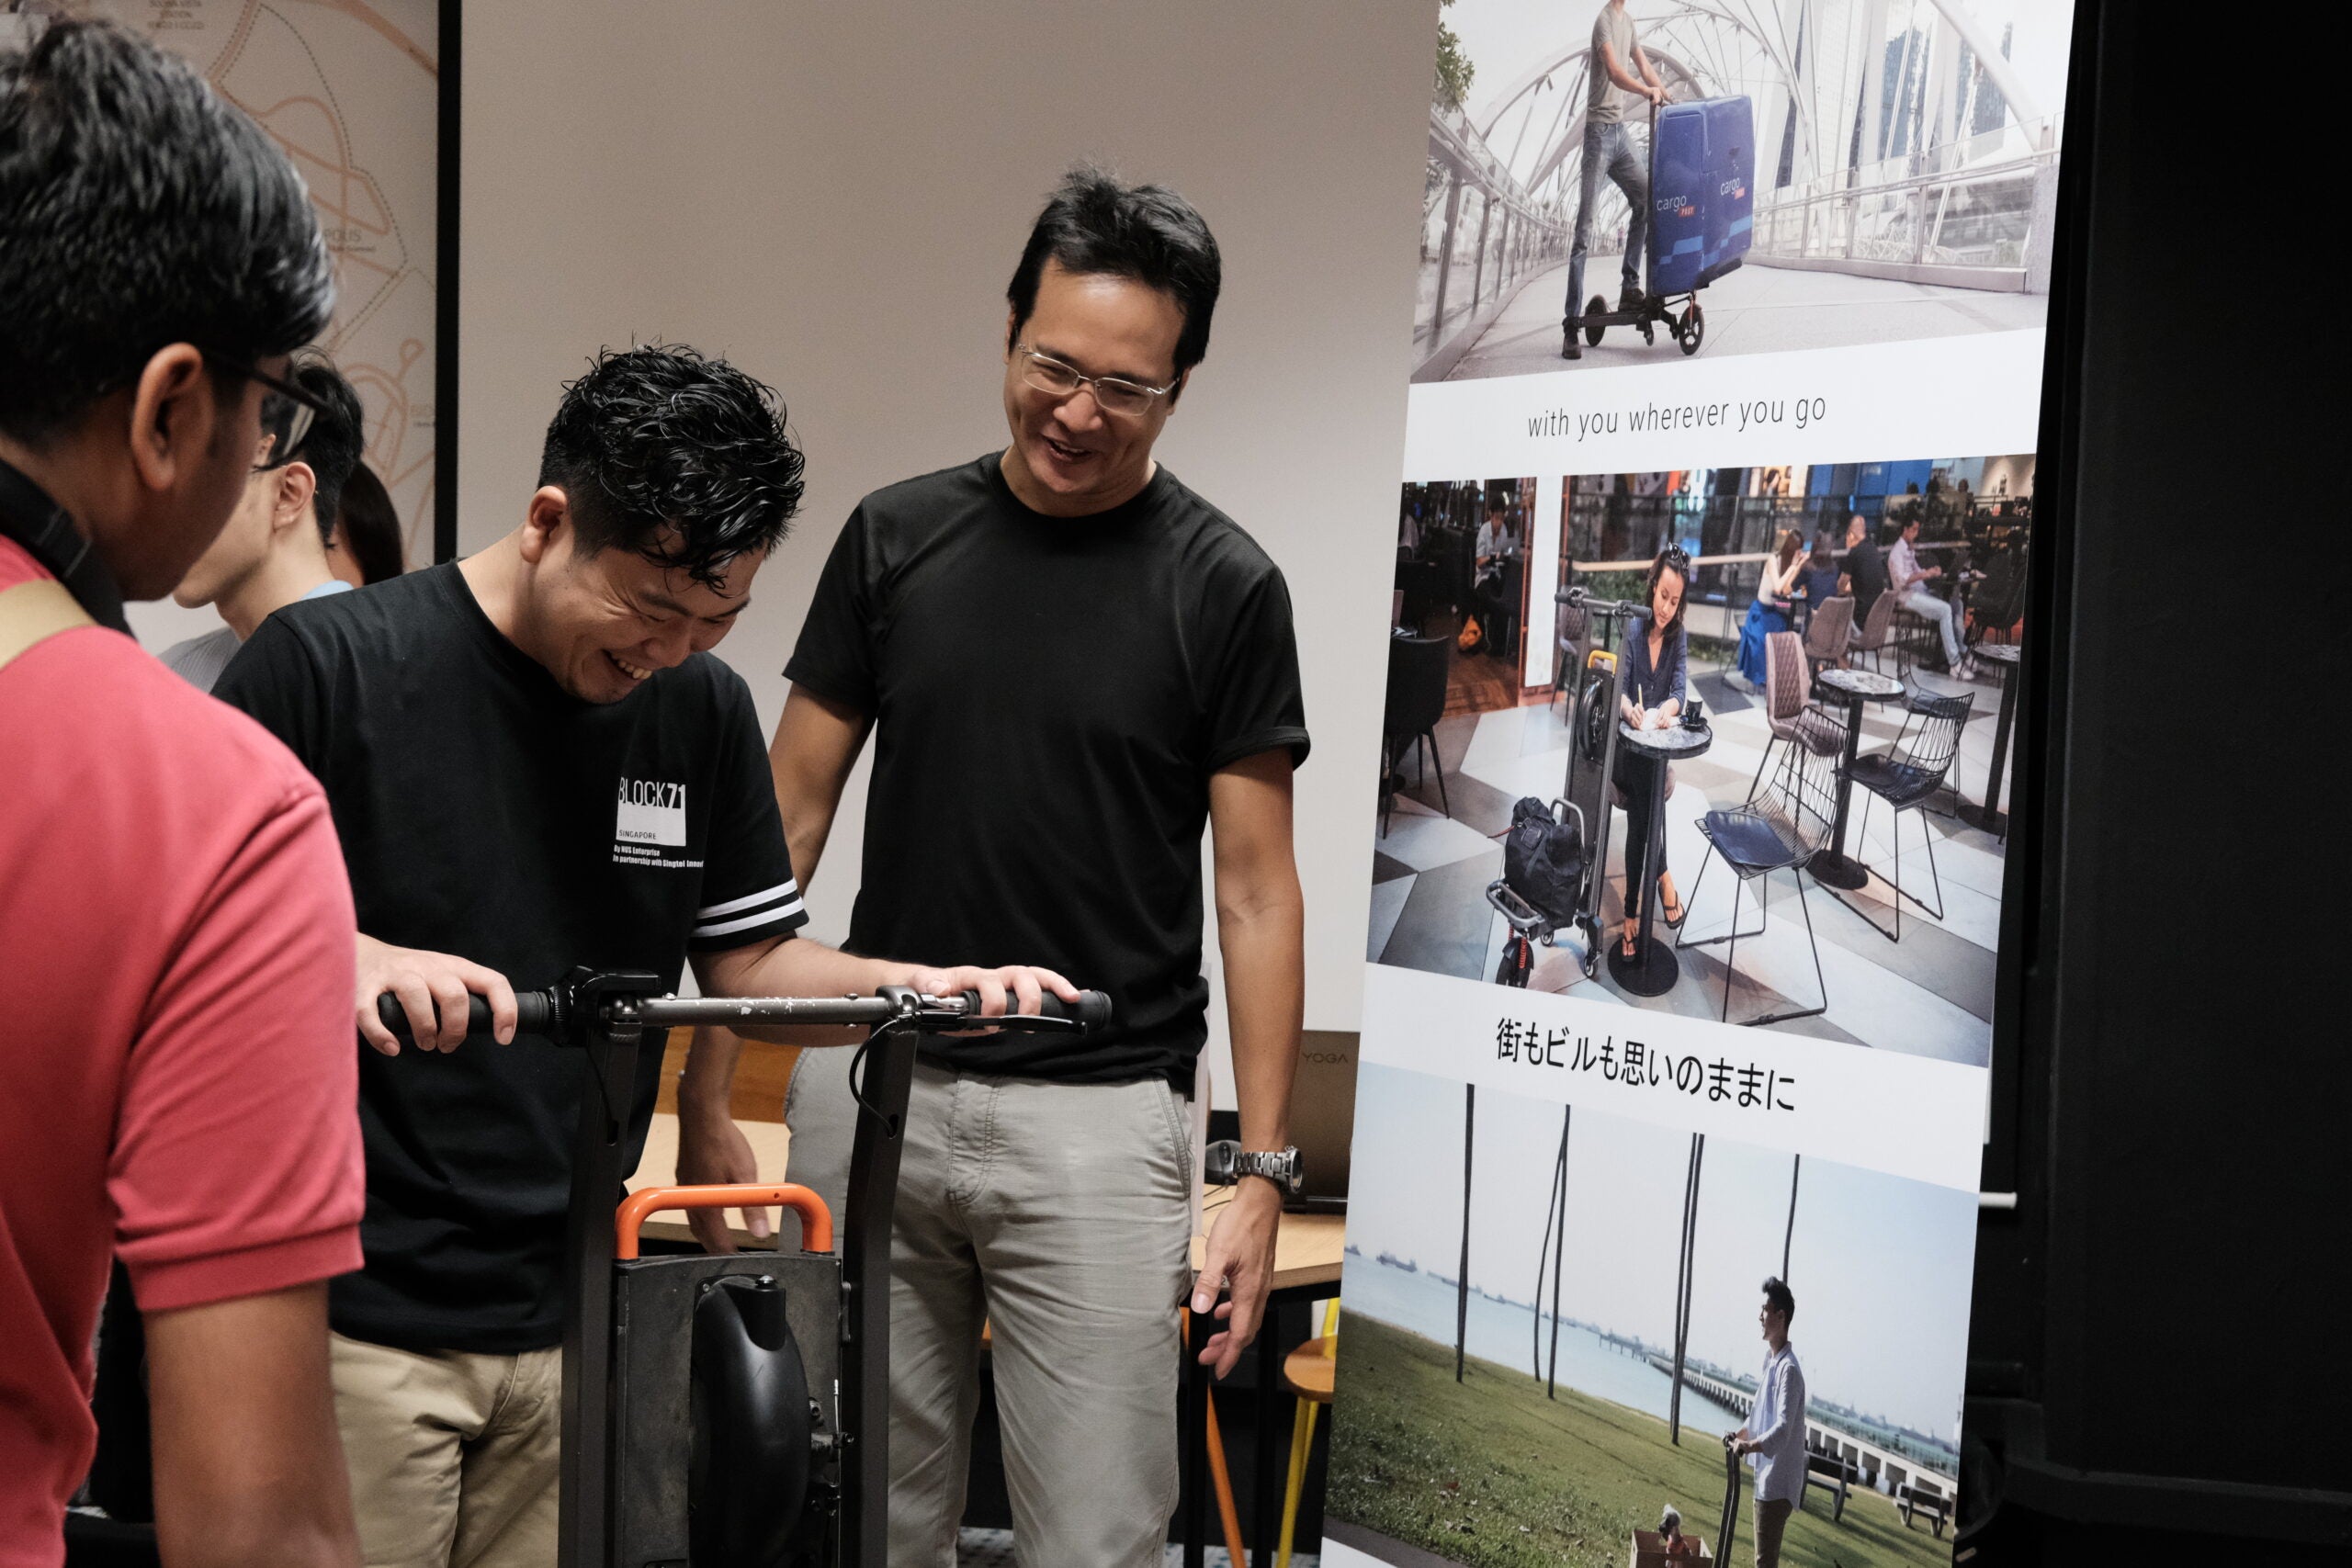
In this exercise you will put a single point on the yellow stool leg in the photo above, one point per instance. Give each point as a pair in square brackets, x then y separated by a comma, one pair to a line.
[1302, 1443]
[1302, 1439]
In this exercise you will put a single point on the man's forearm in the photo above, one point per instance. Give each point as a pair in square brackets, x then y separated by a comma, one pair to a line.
[707, 1082]
[1264, 953]
[805, 968]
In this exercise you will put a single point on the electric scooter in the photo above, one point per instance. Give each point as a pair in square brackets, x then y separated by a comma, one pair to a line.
[730, 1411]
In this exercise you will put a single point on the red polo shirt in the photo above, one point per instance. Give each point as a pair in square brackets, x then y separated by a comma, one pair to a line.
[178, 1069]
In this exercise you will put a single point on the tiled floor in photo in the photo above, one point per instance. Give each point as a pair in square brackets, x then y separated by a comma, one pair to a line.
[993, 1549]
[1929, 994]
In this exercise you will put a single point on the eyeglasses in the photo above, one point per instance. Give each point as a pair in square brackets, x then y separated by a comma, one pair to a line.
[1130, 399]
[302, 410]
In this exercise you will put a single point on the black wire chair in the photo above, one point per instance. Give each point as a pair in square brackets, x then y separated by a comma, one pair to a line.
[1907, 776]
[1417, 673]
[1781, 830]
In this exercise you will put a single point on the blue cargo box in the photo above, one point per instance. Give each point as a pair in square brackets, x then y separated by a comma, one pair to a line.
[1702, 185]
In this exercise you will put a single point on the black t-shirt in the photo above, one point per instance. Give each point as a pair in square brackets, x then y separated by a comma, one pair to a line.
[1868, 569]
[485, 813]
[1050, 698]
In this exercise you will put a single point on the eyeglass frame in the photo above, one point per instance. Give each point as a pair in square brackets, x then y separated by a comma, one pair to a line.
[1031, 352]
[307, 407]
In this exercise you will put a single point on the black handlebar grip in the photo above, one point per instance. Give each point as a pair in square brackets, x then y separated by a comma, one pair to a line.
[534, 1012]
[1091, 1010]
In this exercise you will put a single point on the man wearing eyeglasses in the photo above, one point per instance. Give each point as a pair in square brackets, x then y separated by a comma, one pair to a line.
[1072, 664]
[176, 1081]
[274, 551]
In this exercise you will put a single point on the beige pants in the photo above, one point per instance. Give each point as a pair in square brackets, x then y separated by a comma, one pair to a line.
[452, 1455]
[1771, 1519]
[1059, 1214]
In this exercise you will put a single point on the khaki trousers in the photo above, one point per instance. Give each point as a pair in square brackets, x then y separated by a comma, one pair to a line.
[1060, 1216]
[1771, 1519]
[453, 1456]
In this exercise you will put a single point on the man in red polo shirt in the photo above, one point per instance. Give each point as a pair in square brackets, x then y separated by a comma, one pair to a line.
[176, 1064]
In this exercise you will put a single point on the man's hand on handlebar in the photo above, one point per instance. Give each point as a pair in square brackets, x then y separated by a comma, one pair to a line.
[1014, 989]
[431, 989]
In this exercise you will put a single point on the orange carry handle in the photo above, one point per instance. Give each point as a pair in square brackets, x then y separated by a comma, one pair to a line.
[816, 1220]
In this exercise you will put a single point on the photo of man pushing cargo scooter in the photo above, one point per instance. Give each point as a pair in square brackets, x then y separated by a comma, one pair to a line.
[1702, 155]
[1621, 74]
[1813, 179]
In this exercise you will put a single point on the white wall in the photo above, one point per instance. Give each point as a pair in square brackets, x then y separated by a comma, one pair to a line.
[833, 197]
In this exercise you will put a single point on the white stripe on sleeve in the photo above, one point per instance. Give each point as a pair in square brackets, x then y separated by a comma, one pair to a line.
[745, 922]
[782, 890]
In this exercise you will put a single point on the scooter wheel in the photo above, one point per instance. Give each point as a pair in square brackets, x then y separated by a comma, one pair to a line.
[1511, 969]
[1594, 310]
[1694, 329]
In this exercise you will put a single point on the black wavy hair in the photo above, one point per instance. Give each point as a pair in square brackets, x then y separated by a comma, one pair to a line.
[1671, 559]
[138, 209]
[1776, 1297]
[1092, 224]
[331, 447]
[681, 458]
[371, 526]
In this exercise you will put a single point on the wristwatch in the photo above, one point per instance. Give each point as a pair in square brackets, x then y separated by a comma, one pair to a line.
[1284, 1169]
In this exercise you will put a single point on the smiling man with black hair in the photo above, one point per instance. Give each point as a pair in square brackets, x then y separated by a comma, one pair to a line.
[534, 763]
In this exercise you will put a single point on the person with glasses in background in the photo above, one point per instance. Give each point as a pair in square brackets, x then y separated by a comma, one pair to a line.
[1071, 664]
[176, 1071]
[1656, 681]
[274, 551]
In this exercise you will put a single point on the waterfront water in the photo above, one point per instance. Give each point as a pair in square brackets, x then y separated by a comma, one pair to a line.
[1499, 1332]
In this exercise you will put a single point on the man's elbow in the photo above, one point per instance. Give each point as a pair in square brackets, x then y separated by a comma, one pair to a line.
[1269, 902]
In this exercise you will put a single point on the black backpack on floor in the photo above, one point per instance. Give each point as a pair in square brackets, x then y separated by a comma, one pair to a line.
[1543, 860]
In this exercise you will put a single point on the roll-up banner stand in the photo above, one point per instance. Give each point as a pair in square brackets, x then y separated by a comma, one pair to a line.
[1712, 539]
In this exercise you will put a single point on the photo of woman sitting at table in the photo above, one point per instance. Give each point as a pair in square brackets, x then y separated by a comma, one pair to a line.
[1692, 592]
[1771, 610]
[1650, 696]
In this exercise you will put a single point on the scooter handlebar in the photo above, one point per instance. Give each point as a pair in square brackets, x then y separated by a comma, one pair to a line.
[538, 1013]
[534, 1014]
[1091, 1010]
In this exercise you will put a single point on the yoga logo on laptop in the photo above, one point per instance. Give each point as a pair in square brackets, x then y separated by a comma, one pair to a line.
[651, 813]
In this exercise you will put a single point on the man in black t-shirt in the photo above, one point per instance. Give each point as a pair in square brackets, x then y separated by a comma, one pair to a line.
[1072, 665]
[534, 763]
[1864, 568]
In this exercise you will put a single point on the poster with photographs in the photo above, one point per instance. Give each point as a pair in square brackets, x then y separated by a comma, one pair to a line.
[1713, 543]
